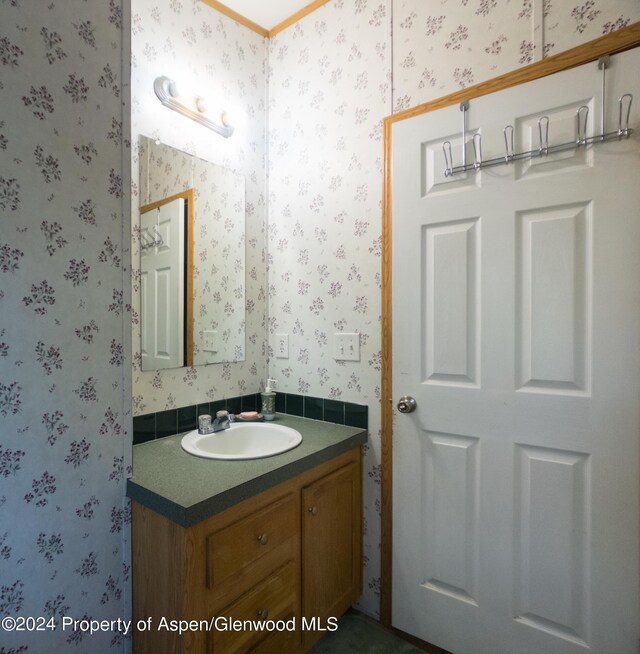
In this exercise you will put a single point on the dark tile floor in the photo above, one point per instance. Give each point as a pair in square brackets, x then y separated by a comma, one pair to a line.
[357, 634]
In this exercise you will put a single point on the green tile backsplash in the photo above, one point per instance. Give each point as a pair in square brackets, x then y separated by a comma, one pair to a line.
[175, 421]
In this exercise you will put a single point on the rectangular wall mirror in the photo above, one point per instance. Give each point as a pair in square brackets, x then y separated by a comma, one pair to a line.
[192, 259]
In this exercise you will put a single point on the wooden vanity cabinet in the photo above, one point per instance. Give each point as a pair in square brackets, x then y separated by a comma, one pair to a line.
[294, 550]
[331, 547]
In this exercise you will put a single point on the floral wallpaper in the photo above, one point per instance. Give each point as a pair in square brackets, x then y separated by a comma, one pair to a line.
[64, 316]
[441, 47]
[162, 171]
[65, 293]
[219, 264]
[568, 24]
[207, 52]
[329, 87]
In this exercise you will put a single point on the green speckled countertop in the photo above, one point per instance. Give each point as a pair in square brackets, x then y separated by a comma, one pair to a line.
[188, 489]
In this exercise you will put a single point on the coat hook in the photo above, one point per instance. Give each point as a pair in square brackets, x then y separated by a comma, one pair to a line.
[145, 242]
[582, 124]
[477, 151]
[623, 128]
[603, 64]
[544, 141]
[464, 108]
[448, 159]
[508, 144]
[158, 241]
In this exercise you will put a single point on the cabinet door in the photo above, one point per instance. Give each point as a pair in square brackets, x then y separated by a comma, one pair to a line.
[331, 544]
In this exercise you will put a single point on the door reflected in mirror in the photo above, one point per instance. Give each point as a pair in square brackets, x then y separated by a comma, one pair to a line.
[192, 259]
[166, 285]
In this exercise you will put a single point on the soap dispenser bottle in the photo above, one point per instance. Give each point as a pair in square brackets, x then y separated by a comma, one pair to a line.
[269, 400]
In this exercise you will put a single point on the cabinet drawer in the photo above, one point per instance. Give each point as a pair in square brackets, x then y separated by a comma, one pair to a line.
[276, 598]
[263, 540]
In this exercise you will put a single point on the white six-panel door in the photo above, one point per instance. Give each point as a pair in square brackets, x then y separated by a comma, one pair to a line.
[162, 287]
[516, 327]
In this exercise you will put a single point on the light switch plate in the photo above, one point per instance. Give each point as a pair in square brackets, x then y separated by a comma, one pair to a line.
[210, 340]
[346, 347]
[282, 346]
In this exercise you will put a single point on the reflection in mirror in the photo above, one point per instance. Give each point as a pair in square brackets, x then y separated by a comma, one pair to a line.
[193, 283]
[166, 287]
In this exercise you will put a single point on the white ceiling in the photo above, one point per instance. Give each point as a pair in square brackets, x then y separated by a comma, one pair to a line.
[267, 14]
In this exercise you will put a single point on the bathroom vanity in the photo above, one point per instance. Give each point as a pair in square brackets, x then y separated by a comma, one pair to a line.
[274, 541]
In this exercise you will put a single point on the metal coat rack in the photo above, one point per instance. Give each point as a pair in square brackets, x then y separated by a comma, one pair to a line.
[147, 240]
[543, 149]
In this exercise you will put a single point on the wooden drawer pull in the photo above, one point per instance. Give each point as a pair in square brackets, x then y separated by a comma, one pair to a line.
[263, 539]
[313, 510]
[263, 614]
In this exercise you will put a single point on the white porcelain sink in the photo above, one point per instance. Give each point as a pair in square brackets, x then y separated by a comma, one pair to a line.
[243, 440]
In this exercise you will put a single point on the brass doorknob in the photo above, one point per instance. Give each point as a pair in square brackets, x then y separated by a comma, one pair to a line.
[263, 539]
[313, 510]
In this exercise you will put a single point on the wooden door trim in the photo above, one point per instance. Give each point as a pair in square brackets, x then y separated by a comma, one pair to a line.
[189, 196]
[619, 41]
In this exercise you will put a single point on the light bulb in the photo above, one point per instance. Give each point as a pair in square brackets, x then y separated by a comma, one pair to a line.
[225, 118]
[173, 89]
[201, 104]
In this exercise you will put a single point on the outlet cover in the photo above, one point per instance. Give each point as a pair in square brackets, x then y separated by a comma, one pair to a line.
[346, 347]
[210, 340]
[282, 346]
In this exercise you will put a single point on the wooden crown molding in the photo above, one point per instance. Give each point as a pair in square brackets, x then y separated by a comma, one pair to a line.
[299, 15]
[258, 29]
[239, 18]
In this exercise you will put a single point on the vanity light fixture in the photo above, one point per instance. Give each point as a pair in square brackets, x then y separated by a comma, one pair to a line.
[168, 93]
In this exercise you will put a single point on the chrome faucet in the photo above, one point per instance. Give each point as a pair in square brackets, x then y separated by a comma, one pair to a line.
[204, 424]
[222, 421]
